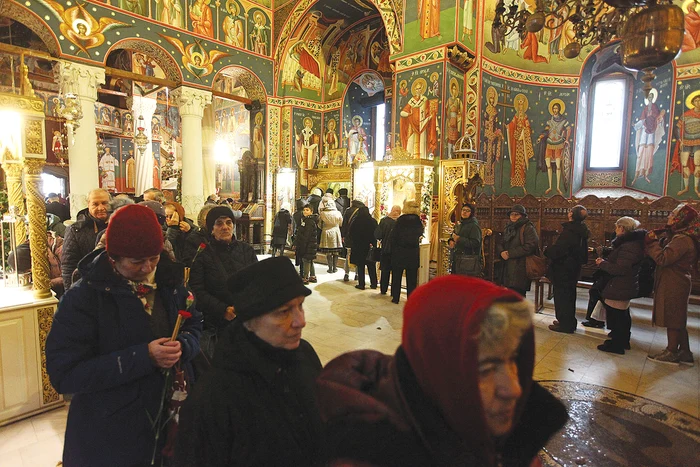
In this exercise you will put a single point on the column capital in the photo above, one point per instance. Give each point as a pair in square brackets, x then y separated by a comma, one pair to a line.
[192, 101]
[79, 79]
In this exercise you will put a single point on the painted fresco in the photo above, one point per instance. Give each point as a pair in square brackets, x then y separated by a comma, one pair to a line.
[306, 140]
[418, 111]
[331, 141]
[690, 50]
[357, 125]
[527, 133]
[466, 24]
[428, 23]
[109, 166]
[259, 32]
[684, 164]
[454, 111]
[169, 12]
[646, 154]
[127, 165]
[257, 134]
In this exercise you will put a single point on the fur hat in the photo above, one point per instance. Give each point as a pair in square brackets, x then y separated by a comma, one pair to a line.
[263, 286]
[215, 213]
[134, 232]
[411, 207]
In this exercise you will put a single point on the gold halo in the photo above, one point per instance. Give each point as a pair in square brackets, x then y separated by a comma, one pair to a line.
[328, 124]
[689, 99]
[454, 81]
[259, 118]
[403, 83]
[415, 84]
[562, 106]
[434, 76]
[78, 21]
[653, 100]
[686, 6]
[489, 91]
[232, 3]
[308, 119]
[357, 117]
[195, 55]
[523, 97]
[258, 14]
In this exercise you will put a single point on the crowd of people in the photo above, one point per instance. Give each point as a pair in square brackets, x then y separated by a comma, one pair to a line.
[180, 348]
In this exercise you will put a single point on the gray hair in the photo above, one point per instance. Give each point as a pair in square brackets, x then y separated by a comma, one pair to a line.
[506, 321]
[160, 197]
[627, 223]
[99, 190]
[117, 203]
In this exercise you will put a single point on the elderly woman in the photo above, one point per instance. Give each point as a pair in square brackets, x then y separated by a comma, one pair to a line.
[405, 249]
[178, 229]
[111, 342]
[257, 406]
[329, 222]
[458, 391]
[466, 238]
[622, 269]
[222, 257]
[519, 241]
[675, 252]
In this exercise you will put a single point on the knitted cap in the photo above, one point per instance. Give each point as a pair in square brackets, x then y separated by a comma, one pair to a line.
[215, 213]
[134, 232]
[519, 208]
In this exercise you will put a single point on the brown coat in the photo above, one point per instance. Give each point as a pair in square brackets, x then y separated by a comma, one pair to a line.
[674, 263]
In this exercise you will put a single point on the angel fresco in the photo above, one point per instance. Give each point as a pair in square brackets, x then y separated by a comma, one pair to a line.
[195, 58]
[80, 27]
[554, 147]
[649, 131]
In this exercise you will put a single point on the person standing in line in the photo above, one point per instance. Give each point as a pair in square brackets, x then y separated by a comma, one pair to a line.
[342, 202]
[675, 252]
[330, 221]
[567, 256]
[281, 230]
[363, 240]
[405, 249]
[348, 219]
[519, 241]
[466, 238]
[383, 234]
[306, 244]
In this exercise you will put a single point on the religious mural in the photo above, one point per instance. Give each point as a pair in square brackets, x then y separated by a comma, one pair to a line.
[306, 140]
[684, 166]
[418, 111]
[454, 111]
[429, 23]
[527, 135]
[466, 32]
[357, 126]
[258, 135]
[690, 50]
[331, 157]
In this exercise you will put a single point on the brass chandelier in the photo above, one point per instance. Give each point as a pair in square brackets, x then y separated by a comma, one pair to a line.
[650, 31]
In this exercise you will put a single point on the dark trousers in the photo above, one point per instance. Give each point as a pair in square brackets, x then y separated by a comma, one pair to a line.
[371, 268]
[594, 296]
[620, 324]
[565, 305]
[411, 281]
[277, 250]
[385, 266]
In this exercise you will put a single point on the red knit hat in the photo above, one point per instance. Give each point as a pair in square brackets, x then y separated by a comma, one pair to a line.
[133, 232]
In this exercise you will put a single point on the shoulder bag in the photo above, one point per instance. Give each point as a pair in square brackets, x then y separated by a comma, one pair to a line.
[535, 264]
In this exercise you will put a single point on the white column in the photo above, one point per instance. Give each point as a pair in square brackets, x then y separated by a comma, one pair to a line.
[209, 138]
[192, 103]
[146, 107]
[82, 80]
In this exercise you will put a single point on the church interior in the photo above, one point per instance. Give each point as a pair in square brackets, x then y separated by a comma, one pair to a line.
[548, 104]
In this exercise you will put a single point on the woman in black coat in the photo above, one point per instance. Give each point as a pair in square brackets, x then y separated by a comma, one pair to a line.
[405, 249]
[282, 227]
[362, 234]
[622, 268]
[519, 241]
[383, 234]
[466, 239]
[567, 256]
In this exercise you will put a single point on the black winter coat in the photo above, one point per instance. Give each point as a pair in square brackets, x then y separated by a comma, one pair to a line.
[405, 242]
[314, 201]
[514, 271]
[97, 350]
[348, 219]
[342, 203]
[255, 407]
[209, 276]
[383, 233]
[182, 248]
[622, 264]
[60, 210]
[306, 238]
[469, 233]
[362, 235]
[568, 254]
[280, 229]
[78, 242]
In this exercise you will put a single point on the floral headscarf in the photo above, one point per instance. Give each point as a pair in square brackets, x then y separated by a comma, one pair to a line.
[686, 222]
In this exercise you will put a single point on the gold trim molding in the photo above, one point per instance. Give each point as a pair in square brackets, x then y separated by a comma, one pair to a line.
[45, 319]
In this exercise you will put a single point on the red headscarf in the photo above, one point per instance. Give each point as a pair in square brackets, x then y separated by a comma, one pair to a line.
[442, 321]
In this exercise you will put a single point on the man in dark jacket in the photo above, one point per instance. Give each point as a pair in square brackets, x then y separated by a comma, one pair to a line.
[383, 234]
[348, 219]
[458, 391]
[80, 237]
[54, 206]
[362, 234]
[405, 249]
[214, 265]
[110, 345]
[567, 256]
[314, 199]
[257, 406]
[282, 228]
[342, 202]
[519, 241]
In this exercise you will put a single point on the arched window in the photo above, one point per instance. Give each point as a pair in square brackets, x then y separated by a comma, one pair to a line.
[609, 122]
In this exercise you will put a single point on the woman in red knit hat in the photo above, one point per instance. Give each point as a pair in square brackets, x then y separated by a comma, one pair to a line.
[110, 344]
[458, 391]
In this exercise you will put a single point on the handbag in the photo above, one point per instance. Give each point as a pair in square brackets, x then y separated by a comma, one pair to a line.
[535, 264]
[467, 265]
[599, 312]
[374, 254]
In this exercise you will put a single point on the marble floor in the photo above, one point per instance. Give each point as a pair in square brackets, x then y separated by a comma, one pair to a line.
[341, 318]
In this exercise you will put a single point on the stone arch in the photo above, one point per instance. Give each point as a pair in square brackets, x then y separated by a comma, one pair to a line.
[253, 85]
[159, 54]
[24, 15]
[391, 12]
